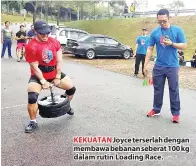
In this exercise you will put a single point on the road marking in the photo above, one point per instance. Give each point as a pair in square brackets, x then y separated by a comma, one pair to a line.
[81, 95]
[13, 106]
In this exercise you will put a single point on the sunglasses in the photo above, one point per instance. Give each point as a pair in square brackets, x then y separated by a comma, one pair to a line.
[162, 21]
[44, 33]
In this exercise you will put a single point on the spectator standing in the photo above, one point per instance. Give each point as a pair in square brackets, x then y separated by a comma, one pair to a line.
[140, 50]
[132, 10]
[6, 39]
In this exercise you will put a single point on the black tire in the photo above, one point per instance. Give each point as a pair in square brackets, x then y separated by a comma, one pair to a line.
[64, 48]
[126, 54]
[54, 110]
[77, 56]
[90, 54]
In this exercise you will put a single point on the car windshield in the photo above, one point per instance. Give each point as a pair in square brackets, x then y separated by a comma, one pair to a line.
[83, 38]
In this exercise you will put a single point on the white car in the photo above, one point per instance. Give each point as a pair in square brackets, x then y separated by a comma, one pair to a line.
[64, 33]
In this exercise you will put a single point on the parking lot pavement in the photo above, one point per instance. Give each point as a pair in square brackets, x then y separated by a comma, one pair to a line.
[105, 104]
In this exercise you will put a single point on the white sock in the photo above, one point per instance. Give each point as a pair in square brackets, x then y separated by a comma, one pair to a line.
[34, 120]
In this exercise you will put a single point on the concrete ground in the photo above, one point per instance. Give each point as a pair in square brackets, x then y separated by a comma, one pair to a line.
[105, 104]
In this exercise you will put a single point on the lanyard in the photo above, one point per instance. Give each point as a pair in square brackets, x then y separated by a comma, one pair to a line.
[170, 32]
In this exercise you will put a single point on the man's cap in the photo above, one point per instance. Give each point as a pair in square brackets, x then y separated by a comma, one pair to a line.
[42, 27]
[144, 29]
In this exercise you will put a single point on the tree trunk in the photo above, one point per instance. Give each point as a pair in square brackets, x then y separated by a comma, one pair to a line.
[108, 9]
[46, 13]
[78, 14]
[58, 16]
[70, 15]
[34, 14]
[94, 11]
[81, 13]
[8, 7]
[20, 7]
[34, 17]
[41, 11]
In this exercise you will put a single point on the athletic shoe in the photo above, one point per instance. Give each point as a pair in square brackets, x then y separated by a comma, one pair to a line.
[175, 119]
[32, 126]
[152, 113]
[18, 59]
[71, 112]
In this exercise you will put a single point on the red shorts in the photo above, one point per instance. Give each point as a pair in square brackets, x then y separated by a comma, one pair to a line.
[20, 45]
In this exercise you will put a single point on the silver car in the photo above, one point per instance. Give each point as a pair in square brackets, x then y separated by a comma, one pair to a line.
[62, 34]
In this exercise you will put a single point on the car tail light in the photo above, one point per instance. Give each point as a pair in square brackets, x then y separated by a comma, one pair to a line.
[75, 44]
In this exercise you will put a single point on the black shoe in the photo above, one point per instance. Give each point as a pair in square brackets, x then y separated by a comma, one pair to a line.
[71, 112]
[135, 75]
[10, 57]
[31, 127]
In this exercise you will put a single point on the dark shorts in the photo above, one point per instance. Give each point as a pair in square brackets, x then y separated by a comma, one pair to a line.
[33, 78]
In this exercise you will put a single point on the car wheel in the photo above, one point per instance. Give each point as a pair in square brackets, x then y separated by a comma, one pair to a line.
[77, 56]
[126, 54]
[90, 54]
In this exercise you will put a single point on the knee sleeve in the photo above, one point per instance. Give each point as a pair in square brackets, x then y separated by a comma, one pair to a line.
[71, 91]
[32, 97]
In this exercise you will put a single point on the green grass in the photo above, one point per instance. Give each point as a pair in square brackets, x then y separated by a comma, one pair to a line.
[18, 19]
[126, 30]
[15, 19]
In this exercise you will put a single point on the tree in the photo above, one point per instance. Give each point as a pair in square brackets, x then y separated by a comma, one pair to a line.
[116, 3]
[58, 9]
[47, 4]
[161, 6]
[117, 6]
[137, 3]
[32, 7]
[176, 4]
[8, 4]
[93, 5]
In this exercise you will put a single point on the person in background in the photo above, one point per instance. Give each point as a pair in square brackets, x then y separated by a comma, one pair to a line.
[132, 10]
[181, 57]
[6, 40]
[168, 39]
[31, 33]
[193, 61]
[126, 11]
[21, 38]
[140, 50]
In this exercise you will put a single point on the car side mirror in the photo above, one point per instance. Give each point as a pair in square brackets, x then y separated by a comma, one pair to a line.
[119, 44]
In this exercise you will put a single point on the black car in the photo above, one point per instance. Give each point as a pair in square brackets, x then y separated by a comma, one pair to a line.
[92, 46]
